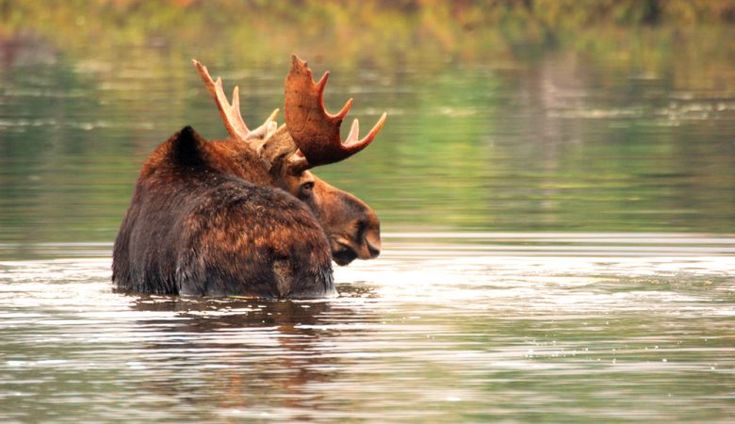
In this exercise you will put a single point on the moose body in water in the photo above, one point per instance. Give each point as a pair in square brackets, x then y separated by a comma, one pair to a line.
[245, 216]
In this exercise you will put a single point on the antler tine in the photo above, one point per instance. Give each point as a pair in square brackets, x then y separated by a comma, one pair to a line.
[267, 128]
[316, 131]
[351, 141]
[230, 113]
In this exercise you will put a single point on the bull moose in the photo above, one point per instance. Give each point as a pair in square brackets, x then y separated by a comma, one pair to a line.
[245, 216]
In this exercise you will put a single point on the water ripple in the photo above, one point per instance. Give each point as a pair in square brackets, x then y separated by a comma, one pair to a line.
[454, 324]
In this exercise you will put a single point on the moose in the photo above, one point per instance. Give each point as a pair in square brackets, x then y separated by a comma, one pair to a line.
[245, 216]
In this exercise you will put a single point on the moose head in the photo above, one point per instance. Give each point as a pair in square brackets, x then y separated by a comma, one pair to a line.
[310, 137]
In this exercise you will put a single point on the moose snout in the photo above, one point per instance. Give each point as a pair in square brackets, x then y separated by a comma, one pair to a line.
[345, 250]
[352, 227]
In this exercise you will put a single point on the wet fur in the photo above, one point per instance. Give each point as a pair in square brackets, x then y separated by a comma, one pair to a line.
[206, 221]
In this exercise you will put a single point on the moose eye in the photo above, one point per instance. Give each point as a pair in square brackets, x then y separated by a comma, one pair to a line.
[306, 188]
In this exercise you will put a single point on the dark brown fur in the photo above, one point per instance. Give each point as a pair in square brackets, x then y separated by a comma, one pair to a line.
[208, 218]
[245, 216]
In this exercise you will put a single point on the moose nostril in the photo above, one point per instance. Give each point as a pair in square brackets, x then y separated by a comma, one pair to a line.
[374, 251]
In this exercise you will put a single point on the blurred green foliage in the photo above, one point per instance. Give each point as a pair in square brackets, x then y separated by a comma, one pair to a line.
[465, 28]
[380, 34]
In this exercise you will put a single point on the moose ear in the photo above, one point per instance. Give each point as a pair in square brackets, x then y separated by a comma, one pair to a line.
[277, 148]
[187, 147]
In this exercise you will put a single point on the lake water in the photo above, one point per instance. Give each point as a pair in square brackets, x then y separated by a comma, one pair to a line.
[445, 327]
[558, 236]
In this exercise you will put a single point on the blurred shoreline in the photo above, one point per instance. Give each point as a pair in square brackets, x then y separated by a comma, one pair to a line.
[382, 33]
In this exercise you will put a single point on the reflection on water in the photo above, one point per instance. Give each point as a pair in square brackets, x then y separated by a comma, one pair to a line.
[257, 355]
[560, 142]
[444, 328]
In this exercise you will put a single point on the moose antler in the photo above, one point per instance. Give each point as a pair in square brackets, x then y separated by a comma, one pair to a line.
[314, 130]
[230, 113]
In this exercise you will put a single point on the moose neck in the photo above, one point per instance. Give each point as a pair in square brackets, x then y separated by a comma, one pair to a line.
[233, 157]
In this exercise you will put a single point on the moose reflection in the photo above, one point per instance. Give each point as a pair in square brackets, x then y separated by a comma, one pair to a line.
[237, 352]
[245, 216]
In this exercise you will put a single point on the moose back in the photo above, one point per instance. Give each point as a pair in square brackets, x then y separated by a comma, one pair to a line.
[245, 216]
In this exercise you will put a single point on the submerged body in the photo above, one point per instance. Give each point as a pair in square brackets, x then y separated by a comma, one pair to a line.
[194, 229]
[245, 216]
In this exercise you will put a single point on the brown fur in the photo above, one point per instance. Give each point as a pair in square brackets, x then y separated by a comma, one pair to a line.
[218, 218]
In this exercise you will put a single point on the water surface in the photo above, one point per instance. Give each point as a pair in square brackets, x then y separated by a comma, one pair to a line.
[443, 328]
